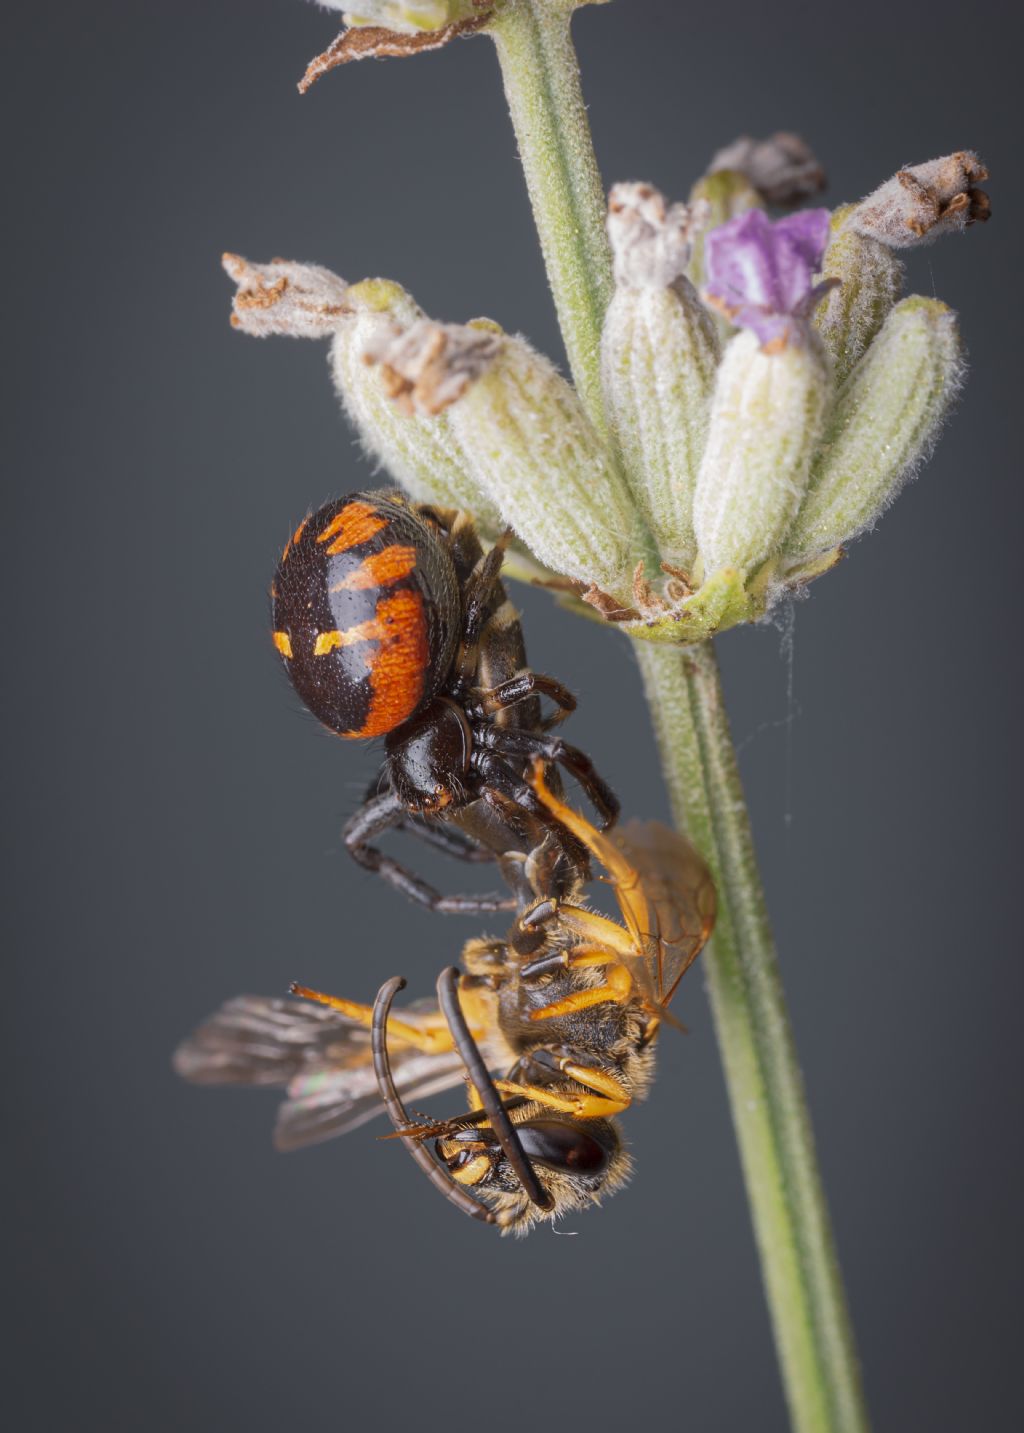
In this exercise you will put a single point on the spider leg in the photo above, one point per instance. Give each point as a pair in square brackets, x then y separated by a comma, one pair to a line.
[385, 813]
[521, 688]
[446, 836]
[575, 762]
[558, 864]
[479, 591]
[506, 791]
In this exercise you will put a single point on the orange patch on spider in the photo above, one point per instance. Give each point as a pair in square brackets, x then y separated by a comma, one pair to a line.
[380, 569]
[400, 665]
[356, 523]
[283, 643]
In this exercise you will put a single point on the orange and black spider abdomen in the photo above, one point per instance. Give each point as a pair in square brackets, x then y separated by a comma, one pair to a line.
[367, 613]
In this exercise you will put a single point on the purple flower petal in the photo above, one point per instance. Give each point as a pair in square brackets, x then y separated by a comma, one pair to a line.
[762, 274]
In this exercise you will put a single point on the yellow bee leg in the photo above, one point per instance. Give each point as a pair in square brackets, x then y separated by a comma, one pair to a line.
[616, 990]
[581, 956]
[580, 1106]
[596, 928]
[431, 1035]
[624, 877]
[599, 1081]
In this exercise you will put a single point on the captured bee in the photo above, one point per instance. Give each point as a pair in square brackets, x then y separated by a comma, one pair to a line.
[393, 623]
[566, 1008]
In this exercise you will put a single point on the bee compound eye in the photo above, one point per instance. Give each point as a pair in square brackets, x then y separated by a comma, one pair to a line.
[564, 1146]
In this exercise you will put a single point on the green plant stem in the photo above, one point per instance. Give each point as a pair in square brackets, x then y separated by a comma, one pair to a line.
[542, 86]
[791, 1222]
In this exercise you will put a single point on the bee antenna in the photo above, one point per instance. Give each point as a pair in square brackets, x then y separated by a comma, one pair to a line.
[397, 1114]
[505, 1131]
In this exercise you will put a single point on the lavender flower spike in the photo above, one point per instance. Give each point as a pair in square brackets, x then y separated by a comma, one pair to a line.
[761, 275]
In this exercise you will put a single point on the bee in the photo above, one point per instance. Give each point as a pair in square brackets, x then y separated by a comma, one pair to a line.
[566, 1008]
[392, 622]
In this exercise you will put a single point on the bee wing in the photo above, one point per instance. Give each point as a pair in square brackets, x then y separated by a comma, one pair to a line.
[321, 1056]
[324, 1103]
[680, 895]
[261, 1040]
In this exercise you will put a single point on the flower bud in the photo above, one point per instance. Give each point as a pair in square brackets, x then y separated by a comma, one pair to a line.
[305, 301]
[918, 204]
[884, 424]
[869, 278]
[723, 195]
[416, 447]
[782, 169]
[766, 420]
[406, 17]
[659, 351]
[527, 441]
[771, 390]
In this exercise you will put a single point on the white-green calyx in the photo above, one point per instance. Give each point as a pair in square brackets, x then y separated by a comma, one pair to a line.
[659, 351]
[765, 425]
[887, 417]
[528, 442]
[870, 278]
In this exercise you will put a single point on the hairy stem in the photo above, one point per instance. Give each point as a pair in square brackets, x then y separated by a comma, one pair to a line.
[542, 85]
[791, 1222]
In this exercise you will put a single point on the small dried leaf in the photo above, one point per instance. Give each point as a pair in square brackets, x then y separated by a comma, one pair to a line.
[644, 595]
[372, 42]
[608, 606]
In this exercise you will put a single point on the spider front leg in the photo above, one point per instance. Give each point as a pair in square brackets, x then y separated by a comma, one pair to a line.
[521, 688]
[577, 763]
[385, 813]
[479, 591]
[442, 835]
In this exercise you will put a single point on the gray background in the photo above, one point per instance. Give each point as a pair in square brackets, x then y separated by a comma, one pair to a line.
[172, 817]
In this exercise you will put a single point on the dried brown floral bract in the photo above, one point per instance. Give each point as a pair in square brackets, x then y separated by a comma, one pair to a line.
[918, 204]
[301, 300]
[651, 240]
[373, 42]
[429, 365]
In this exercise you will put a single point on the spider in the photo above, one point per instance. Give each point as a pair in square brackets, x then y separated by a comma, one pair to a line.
[392, 622]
